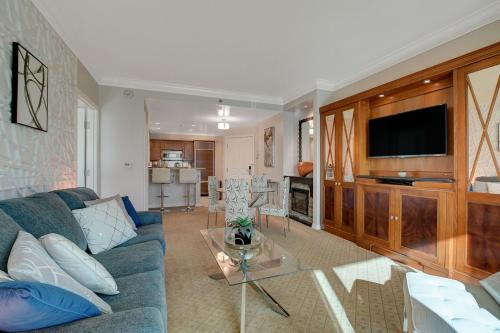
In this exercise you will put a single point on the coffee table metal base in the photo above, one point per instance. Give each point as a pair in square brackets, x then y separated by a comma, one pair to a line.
[273, 304]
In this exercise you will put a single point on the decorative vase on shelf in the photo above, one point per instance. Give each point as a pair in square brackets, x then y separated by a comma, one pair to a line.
[305, 168]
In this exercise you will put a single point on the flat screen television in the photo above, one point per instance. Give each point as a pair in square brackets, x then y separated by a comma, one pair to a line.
[421, 132]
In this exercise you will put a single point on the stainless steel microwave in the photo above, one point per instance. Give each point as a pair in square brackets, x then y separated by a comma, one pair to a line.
[171, 155]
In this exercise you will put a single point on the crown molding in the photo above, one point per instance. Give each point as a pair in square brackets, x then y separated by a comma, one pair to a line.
[322, 84]
[188, 90]
[475, 20]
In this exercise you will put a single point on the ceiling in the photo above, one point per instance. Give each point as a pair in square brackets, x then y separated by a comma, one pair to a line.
[260, 50]
[198, 118]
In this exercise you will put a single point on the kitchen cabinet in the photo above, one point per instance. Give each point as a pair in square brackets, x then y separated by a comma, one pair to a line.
[155, 147]
[188, 151]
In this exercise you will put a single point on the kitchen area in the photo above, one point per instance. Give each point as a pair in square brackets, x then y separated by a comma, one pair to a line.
[178, 156]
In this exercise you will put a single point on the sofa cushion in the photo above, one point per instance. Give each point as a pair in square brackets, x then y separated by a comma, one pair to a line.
[148, 233]
[150, 218]
[144, 320]
[31, 305]
[45, 213]
[140, 290]
[133, 259]
[75, 197]
[8, 235]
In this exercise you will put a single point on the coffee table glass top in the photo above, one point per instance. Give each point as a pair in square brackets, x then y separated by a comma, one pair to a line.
[265, 261]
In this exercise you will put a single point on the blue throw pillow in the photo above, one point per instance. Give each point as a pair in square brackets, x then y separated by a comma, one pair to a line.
[32, 305]
[131, 211]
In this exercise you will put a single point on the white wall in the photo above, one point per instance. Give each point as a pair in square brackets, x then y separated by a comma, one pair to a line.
[31, 160]
[124, 152]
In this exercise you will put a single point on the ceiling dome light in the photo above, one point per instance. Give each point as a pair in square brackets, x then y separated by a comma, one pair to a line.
[223, 126]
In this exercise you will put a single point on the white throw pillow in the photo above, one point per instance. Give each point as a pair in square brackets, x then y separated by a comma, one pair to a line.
[4, 277]
[104, 225]
[119, 200]
[82, 267]
[28, 261]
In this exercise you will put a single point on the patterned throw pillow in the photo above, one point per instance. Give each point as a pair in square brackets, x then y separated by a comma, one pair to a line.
[4, 277]
[28, 261]
[104, 225]
[120, 202]
[82, 267]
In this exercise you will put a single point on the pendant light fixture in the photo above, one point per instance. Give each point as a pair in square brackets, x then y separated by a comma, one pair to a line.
[224, 111]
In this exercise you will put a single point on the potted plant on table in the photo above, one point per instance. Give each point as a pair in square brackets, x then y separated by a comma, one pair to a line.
[243, 231]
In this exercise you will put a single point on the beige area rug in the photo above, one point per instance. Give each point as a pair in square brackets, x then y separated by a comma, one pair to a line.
[348, 288]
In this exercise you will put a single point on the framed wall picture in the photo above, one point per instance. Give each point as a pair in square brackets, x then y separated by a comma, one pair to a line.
[269, 150]
[30, 85]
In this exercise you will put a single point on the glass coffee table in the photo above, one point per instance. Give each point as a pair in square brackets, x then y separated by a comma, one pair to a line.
[248, 266]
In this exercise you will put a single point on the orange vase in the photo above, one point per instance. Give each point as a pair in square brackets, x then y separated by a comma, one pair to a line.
[305, 168]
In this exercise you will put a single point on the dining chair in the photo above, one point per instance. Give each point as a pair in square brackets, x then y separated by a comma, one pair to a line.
[277, 210]
[259, 198]
[214, 206]
[236, 192]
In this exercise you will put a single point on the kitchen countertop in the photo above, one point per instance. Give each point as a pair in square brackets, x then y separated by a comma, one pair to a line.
[176, 168]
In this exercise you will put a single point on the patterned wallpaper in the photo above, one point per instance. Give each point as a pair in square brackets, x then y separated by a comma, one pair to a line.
[31, 160]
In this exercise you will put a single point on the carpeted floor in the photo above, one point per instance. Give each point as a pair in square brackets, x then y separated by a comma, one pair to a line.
[348, 288]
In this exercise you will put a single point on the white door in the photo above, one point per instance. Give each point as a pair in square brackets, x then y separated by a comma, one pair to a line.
[239, 155]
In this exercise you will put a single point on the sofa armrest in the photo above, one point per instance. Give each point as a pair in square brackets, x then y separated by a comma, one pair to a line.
[140, 320]
[148, 218]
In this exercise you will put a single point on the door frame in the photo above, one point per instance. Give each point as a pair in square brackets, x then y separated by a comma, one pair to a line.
[85, 104]
[229, 137]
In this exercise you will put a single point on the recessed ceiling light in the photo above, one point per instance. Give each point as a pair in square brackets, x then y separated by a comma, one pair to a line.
[427, 81]
[381, 95]
[193, 125]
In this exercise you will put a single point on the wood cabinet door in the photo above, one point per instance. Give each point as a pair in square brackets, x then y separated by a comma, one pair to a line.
[346, 161]
[329, 204]
[338, 172]
[188, 151]
[419, 221]
[154, 150]
[478, 182]
[375, 212]
[172, 145]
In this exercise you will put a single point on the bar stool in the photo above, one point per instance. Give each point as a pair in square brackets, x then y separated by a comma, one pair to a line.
[188, 177]
[161, 176]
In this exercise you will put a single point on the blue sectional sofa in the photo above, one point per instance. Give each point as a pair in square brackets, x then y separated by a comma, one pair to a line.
[136, 265]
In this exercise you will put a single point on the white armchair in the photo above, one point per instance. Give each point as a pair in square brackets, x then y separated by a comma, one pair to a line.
[436, 304]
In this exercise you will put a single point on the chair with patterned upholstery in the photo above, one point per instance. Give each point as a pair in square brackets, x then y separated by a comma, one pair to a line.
[259, 198]
[236, 191]
[214, 206]
[276, 210]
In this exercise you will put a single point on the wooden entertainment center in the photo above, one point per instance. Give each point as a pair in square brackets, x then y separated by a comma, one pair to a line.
[442, 215]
